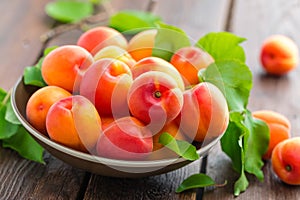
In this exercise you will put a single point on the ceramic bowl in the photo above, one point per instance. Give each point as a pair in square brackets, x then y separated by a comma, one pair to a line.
[91, 163]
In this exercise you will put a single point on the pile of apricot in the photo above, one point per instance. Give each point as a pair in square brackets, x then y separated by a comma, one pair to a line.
[110, 97]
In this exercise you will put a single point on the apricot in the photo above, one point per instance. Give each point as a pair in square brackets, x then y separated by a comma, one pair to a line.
[126, 138]
[117, 53]
[286, 161]
[75, 123]
[157, 64]
[188, 61]
[204, 114]
[279, 55]
[96, 38]
[279, 127]
[39, 103]
[140, 46]
[64, 66]
[155, 99]
[106, 84]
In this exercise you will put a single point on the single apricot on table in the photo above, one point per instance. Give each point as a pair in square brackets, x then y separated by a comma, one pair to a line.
[279, 55]
[39, 103]
[279, 127]
[286, 161]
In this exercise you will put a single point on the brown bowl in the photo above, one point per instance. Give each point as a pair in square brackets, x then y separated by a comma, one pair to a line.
[92, 163]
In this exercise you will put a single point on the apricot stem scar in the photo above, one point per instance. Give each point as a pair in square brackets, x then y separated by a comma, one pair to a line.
[157, 94]
[288, 168]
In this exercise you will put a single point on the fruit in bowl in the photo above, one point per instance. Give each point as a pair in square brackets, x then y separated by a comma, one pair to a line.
[113, 120]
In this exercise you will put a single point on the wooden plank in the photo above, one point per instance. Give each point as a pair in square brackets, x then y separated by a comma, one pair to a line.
[20, 46]
[196, 19]
[255, 20]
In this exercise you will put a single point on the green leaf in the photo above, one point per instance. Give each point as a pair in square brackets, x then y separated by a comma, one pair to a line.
[181, 148]
[33, 74]
[7, 129]
[195, 181]
[10, 115]
[230, 141]
[133, 21]
[3, 94]
[241, 184]
[223, 46]
[256, 145]
[233, 78]
[168, 40]
[67, 11]
[25, 145]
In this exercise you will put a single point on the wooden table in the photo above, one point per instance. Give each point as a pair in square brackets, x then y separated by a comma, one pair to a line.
[23, 22]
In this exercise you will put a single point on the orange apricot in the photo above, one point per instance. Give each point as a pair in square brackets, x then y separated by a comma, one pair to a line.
[39, 103]
[279, 127]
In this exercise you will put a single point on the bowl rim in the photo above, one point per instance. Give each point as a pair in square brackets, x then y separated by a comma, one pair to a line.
[94, 158]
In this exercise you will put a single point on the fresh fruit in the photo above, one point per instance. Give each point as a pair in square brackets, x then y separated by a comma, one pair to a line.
[64, 66]
[279, 127]
[286, 161]
[39, 103]
[127, 139]
[96, 38]
[188, 61]
[204, 114]
[106, 84]
[155, 99]
[75, 123]
[157, 64]
[117, 53]
[279, 55]
[140, 46]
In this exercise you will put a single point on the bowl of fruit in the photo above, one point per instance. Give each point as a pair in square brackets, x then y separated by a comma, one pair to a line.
[110, 106]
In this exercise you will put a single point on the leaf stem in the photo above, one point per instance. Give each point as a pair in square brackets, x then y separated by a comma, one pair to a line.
[6, 98]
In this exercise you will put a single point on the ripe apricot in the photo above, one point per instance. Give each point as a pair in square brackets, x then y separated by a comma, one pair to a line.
[188, 61]
[75, 123]
[96, 38]
[279, 127]
[157, 64]
[106, 84]
[126, 138]
[204, 114]
[64, 66]
[140, 46]
[117, 53]
[279, 55]
[39, 103]
[155, 99]
[286, 161]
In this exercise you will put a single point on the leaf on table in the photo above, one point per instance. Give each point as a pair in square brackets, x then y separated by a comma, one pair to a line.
[168, 40]
[256, 145]
[180, 147]
[195, 181]
[10, 115]
[25, 145]
[223, 46]
[233, 78]
[7, 129]
[133, 21]
[241, 184]
[68, 11]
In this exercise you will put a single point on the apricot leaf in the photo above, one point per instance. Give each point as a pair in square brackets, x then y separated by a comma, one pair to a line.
[180, 147]
[256, 145]
[241, 184]
[168, 40]
[33, 74]
[25, 145]
[67, 11]
[233, 78]
[133, 21]
[223, 46]
[195, 181]
[10, 115]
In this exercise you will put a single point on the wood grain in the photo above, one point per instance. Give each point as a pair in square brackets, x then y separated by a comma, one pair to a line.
[255, 20]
